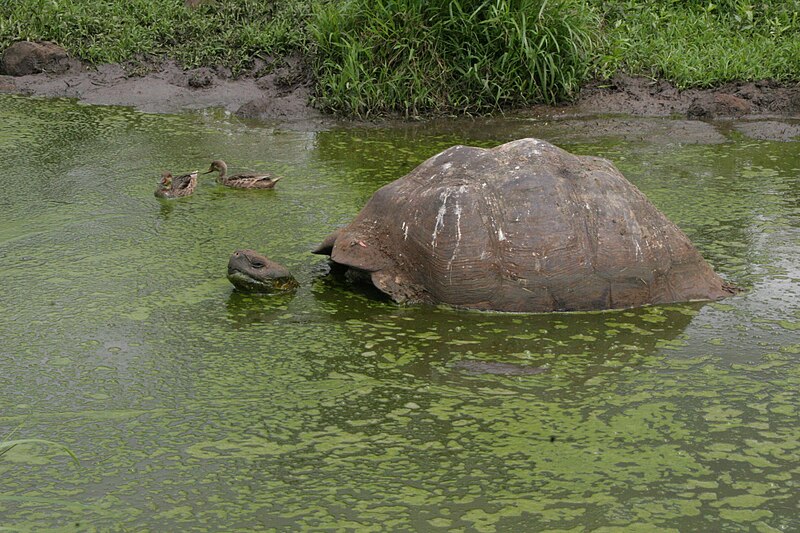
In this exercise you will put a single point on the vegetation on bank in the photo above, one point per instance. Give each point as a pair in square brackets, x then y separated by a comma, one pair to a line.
[700, 43]
[228, 32]
[415, 56]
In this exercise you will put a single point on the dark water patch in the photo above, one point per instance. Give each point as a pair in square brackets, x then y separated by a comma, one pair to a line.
[470, 366]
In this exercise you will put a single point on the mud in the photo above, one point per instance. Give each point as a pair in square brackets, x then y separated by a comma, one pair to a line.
[167, 88]
[643, 96]
[762, 110]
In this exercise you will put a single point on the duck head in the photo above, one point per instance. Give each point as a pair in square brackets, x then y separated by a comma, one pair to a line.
[218, 165]
[166, 180]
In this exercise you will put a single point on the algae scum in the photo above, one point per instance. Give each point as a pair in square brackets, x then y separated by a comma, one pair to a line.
[195, 407]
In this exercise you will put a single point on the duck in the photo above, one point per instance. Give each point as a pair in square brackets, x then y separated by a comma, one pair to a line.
[176, 186]
[242, 181]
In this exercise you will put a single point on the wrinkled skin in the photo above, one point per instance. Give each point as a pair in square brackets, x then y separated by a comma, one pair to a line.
[522, 227]
[250, 271]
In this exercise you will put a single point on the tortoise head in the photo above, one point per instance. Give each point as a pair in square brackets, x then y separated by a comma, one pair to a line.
[251, 271]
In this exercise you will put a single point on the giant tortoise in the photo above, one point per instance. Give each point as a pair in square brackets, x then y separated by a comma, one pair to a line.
[524, 226]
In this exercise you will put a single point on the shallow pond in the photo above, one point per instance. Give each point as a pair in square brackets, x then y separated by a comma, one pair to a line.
[192, 407]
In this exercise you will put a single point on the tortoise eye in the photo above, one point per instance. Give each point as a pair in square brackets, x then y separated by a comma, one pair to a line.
[257, 264]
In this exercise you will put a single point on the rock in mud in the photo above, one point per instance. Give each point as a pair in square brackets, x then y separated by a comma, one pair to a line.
[525, 226]
[718, 105]
[25, 57]
[200, 78]
[294, 105]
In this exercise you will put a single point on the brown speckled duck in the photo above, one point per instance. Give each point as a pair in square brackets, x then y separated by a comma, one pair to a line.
[242, 181]
[176, 186]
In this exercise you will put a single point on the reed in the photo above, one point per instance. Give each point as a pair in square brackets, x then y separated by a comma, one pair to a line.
[7, 445]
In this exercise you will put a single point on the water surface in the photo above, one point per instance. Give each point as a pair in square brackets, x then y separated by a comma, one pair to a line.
[193, 407]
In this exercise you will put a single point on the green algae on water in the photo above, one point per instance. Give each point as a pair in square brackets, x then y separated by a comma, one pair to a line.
[193, 407]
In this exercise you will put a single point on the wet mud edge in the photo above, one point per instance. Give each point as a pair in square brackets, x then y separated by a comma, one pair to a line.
[762, 110]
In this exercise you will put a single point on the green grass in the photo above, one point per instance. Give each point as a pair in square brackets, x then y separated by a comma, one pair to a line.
[417, 56]
[695, 43]
[440, 56]
[231, 33]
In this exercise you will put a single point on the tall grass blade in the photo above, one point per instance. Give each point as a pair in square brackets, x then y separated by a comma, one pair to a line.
[7, 445]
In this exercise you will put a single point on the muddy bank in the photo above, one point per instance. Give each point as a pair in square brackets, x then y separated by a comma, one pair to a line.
[761, 110]
[646, 97]
[282, 93]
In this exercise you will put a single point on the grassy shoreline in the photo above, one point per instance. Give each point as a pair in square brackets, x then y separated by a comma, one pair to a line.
[415, 57]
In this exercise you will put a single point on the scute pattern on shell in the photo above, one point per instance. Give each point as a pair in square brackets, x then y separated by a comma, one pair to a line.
[525, 226]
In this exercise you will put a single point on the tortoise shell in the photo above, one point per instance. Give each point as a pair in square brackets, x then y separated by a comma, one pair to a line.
[525, 226]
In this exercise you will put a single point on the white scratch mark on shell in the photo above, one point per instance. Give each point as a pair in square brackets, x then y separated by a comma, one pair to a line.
[440, 217]
[404, 227]
[458, 239]
[443, 211]
[638, 248]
